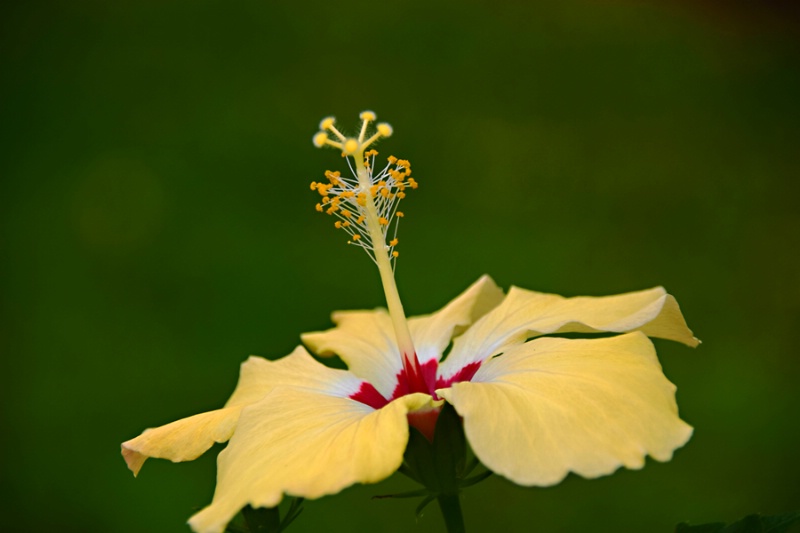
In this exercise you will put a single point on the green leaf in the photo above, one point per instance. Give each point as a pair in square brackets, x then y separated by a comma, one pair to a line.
[754, 523]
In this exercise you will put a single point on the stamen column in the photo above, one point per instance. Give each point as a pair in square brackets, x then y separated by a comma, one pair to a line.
[373, 222]
[416, 382]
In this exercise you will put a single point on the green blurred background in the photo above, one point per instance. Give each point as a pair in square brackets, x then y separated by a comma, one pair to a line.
[157, 228]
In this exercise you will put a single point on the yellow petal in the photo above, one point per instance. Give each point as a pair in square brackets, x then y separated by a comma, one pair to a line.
[182, 440]
[365, 340]
[188, 438]
[525, 314]
[298, 369]
[305, 444]
[554, 406]
[432, 333]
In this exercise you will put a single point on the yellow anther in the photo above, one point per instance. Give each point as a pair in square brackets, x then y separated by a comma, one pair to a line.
[384, 129]
[326, 123]
[373, 193]
[333, 177]
[350, 146]
[320, 139]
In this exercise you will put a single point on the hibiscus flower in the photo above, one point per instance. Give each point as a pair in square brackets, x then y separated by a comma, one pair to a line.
[535, 407]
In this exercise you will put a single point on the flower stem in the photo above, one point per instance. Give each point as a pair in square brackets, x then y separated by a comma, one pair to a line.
[451, 510]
